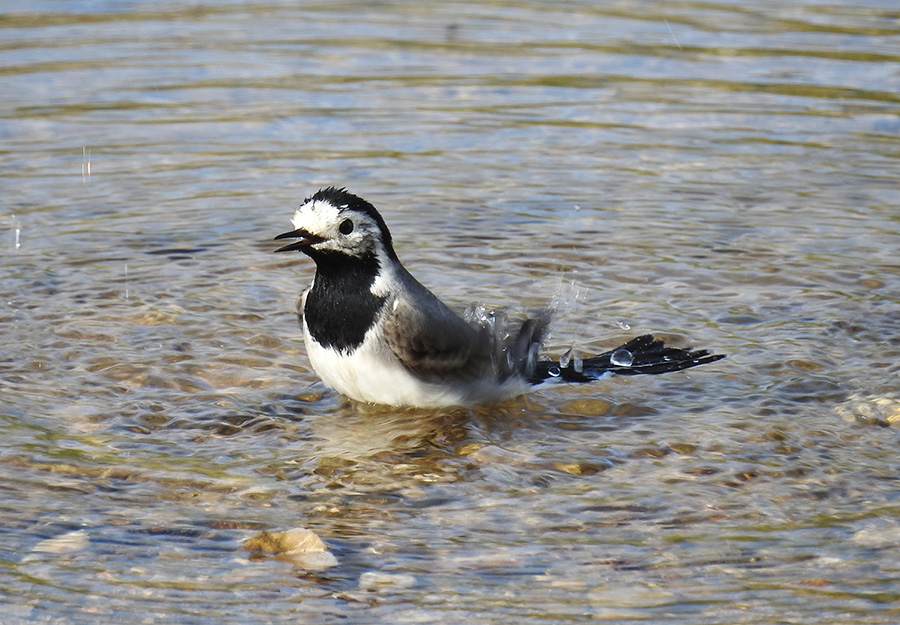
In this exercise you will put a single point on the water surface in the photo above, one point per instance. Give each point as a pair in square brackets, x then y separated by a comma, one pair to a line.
[723, 174]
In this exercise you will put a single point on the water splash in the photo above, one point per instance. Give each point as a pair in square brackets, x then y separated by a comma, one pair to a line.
[672, 32]
[565, 358]
[572, 358]
[85, 164]
[623, 326]
[15, 227]
[568, 293]
[494, 321]
[561, 310]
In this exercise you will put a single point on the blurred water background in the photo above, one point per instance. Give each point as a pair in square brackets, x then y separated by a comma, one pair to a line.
[722, 173]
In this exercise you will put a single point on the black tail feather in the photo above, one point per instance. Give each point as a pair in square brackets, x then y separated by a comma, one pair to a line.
[643, 354]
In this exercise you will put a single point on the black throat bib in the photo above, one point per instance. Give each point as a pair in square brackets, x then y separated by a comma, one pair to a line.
[340, 307]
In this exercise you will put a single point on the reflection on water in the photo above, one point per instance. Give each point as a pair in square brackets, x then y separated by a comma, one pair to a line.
[721, 174]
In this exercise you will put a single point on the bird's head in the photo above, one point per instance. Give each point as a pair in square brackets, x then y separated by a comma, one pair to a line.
[335, 222]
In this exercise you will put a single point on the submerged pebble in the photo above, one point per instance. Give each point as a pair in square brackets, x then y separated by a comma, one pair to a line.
[376, 580]
[299, 546]
[876, 409]
[64, 543]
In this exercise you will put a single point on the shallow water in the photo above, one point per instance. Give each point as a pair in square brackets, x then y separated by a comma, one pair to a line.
[723, 174]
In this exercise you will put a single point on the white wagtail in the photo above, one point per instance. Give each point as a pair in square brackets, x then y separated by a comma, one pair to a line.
[375, 334]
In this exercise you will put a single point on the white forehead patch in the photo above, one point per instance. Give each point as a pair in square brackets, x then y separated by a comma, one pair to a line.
[315, 217]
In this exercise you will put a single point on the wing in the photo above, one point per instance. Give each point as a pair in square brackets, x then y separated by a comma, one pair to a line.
[432, 341]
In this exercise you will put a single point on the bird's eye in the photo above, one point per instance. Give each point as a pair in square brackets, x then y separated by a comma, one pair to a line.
[346, 227]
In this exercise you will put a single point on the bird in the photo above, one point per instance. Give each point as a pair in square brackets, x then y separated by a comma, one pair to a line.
[377, 335]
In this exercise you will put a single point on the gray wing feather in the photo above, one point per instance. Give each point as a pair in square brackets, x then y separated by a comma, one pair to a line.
[436, 343]
[429, 339]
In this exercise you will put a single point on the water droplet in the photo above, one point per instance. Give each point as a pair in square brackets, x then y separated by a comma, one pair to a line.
[16, 228]
[622, 325]
[622, 358]
[554, 372]
[85, 164]
[577, 363]
[566, 358]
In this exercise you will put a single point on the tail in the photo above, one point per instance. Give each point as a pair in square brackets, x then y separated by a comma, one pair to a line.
[644, 354]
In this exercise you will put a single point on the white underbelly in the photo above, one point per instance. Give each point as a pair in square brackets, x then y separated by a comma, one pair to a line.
[374, 375]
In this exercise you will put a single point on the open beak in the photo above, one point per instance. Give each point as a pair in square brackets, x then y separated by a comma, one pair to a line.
[305, 240]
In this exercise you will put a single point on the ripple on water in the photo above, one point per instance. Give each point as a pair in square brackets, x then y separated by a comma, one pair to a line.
[724, 175]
